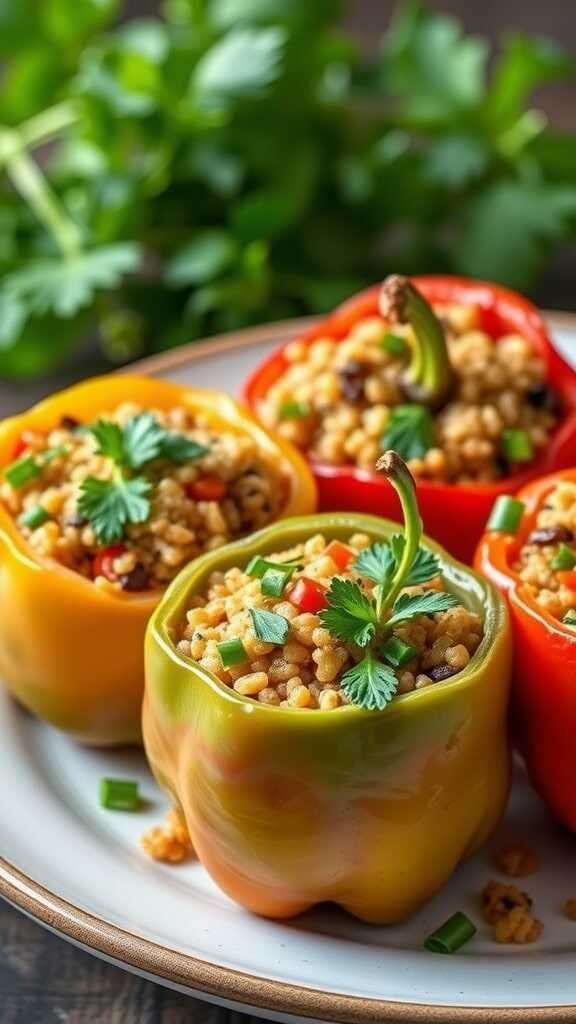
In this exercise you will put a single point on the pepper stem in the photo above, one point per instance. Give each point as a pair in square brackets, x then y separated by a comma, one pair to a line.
[397, 472]
[428, 378]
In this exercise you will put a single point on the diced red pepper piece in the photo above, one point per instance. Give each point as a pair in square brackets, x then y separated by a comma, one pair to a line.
[340, 554]
[103, 563]
[20, 447]
[308, 595]
[567, 577]
[208, 488]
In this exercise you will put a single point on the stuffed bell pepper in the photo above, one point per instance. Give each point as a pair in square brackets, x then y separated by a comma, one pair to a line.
[529, 551]
[459, 376]
[325, 704]
[106, 491]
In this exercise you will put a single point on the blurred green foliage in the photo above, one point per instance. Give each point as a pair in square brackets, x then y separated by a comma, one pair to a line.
[240, 160]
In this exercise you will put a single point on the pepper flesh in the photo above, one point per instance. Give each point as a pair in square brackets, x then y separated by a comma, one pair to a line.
[454, 514]
[543, 692]
[372, 810]
[69, 651]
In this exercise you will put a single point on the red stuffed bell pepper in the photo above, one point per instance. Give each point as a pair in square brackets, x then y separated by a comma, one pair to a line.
[529, 552]
[465, 441]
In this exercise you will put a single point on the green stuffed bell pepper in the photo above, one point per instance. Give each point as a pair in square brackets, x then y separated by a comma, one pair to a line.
[326, 705]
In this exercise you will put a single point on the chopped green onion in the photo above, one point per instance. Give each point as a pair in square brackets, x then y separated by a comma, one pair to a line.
[259, 566]
[54, 453]
[274, 580]
[564, 558]
[569, 618]
[517, 446]
[22, 472]
[394, 344]
[506, 514]
[294, 410]
[269, 627]
[396, 652]
[232, 652]
[456, 931]
[34, 517]
[119, 794]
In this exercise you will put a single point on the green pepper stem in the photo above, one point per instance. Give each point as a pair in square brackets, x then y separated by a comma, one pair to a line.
[397, 472]
[428, 378]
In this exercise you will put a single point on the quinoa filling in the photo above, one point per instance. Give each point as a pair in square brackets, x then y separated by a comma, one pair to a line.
[345, 401]
[128, 500]
[327, 623]
[547, 561]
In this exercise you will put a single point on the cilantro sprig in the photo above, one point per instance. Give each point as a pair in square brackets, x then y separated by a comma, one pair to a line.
[353, 616]
[110, 505]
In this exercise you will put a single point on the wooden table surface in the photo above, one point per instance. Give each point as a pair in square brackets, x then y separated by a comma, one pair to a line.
[44, 980]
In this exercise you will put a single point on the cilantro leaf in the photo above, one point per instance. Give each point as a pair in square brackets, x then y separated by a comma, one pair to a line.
[110, 504]
[109, 440]
[178, 448]
[369, 684]
[378, 562]
[408, 606]
[350, 615]
[143, 438]
[409, 431]
[65, 286]
[269, 627]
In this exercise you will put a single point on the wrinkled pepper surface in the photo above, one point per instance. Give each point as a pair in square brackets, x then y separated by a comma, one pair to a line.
[370, 809]
[69, 652]
[544, 675]
[454, 514]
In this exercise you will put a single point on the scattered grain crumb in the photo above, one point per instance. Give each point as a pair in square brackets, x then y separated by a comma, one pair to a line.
[498, 899]
[570, 909]
[518, 928]
[170, 842]
[517, 860]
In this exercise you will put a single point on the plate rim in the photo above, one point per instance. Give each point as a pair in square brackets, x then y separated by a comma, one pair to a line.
[280, 330]
[180, 969]
[123, 947]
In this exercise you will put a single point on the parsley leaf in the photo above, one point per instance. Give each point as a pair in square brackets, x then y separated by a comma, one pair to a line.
[369, 684]
[110, 504]
[269, 627]
[110, 441]
[350, 615]
[143, 439]
[409, 431]
[408, 606]
[178, 448]
[64, 287]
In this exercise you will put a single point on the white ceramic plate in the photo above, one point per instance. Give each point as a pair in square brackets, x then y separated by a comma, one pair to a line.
[78, 870]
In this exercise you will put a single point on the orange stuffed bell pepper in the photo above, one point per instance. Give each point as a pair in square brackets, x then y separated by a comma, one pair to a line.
[459, 376]
[529, 552]
[326, 704]
[106, 490]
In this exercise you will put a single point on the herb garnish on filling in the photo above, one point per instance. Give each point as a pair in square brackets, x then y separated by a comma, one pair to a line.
[367, 621]
[109, 505]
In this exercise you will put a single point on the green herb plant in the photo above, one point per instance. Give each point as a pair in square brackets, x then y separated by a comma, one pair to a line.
[109, 505]
[368, 622]
[236, 161]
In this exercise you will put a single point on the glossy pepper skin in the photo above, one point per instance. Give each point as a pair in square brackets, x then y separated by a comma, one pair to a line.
[454, 514]
[370, 809]
[71, 653]
[544, 676]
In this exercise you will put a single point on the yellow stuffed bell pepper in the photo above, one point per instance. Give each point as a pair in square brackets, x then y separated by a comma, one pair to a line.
[373, 806]
[71, 651]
